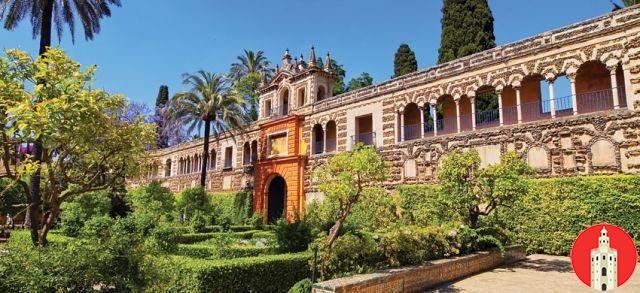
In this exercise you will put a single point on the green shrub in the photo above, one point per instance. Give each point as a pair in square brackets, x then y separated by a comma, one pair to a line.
[412, 245]
[163, 239]
[421, 205]
[555, 211]
[293, 237]
[80, 208]
[234, 208]
[303, 286]
[12, 196]
[350, 254]
[269, 273]
[69, 264]
[257, 221]
[192, 201]
[98, 227]
[198, 223]
[154, 200]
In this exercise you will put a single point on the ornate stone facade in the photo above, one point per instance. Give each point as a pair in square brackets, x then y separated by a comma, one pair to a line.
[415, 119]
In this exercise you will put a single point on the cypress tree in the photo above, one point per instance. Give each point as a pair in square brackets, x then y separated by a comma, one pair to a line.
[404, 61]
[162, 139]
[467, 28]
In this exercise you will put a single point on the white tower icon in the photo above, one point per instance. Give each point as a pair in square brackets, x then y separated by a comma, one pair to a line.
[604, 264]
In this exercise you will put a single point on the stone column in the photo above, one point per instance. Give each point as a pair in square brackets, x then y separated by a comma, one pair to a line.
[401, 113]
[552, 98]
[422, 122]
[458, 114]
[614, 87]
[473, 112]
[434, 116]
[627, 85]
[324, 139]
[574, 97]
[518, 104]
[500, 110]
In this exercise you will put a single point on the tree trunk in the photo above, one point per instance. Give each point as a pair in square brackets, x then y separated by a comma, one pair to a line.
[333, 235]
[205, 153]
[34, 182]
[49, 222]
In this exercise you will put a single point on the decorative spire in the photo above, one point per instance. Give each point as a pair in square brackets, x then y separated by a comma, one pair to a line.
[312, 57]
[263, 78]
[286, 59]
[327, 63]
[302, 65]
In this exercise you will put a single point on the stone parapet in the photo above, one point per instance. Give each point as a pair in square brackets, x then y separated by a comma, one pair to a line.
[419, 278]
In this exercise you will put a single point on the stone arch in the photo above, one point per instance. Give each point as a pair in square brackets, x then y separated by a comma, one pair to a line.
[538, 157]
[321, 93]
[331, 132]
[317, 139]
[275, 189]
[603, 153]
[593, 87]
[446, 114]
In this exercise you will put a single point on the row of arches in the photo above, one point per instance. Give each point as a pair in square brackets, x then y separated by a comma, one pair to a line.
[324, 138]
[594, 87]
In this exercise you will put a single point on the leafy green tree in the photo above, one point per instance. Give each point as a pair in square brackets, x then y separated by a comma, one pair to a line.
[364, 80]
[467, 28]
[475, 192]
[211, 102]
[152, 199]
[162, 138]
[87, 141]
[348, 178]
[43, 14]
[404, 61]
[628, 3]
[246, 75]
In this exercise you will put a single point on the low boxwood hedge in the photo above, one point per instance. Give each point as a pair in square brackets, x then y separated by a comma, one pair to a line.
[269, 273]
[226, 252]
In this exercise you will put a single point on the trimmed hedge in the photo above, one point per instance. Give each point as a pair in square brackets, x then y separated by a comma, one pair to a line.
[270, 273]
[234, 206]
[555, 211]
[191, 238]
[227, 252]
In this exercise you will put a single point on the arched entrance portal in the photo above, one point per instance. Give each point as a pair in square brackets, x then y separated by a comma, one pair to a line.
[277, 197]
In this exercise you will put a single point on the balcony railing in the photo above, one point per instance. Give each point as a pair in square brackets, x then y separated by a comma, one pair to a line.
[488, 118]
[366, 138]
[411, 132]
[447, 125]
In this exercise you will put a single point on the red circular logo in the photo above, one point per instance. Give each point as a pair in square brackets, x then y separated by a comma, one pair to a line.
[604, 257]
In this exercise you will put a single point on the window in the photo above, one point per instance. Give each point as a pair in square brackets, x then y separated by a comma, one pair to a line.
[604, 272]
[301, 97]
[228, 157]
[267, 108]
[277, 145]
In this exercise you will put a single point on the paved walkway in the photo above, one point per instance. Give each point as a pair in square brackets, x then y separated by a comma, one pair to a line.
[538, 273]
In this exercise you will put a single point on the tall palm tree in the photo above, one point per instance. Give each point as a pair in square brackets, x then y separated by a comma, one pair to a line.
[43, 14]
[246, 77]
[210, 102]
[250, 62]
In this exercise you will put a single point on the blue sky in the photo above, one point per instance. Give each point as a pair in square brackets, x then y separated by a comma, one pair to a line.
[147, 43]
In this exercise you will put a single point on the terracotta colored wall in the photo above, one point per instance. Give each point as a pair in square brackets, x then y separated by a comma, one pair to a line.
[289, 167]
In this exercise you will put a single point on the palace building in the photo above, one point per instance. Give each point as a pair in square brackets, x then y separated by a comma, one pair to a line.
[604, 264]
[415, 119]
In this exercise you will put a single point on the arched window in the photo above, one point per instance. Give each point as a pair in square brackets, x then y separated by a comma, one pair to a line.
[331, 137]
[284, 102]
[411, 127]
[593, 87]
[321, 93]
[318, 139]
[604, 272]
[167, 168]
[301, 97]
[246, 153]
[254, 151]
[212, 160]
